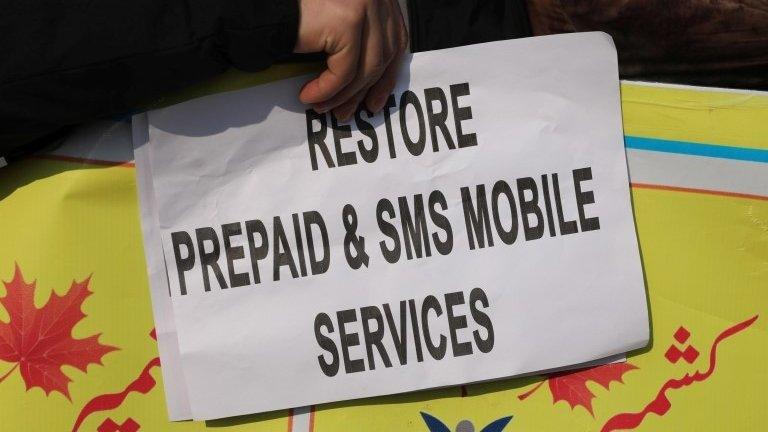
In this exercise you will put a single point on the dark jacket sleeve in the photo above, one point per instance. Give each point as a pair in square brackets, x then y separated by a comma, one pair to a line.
[63, 62]
[437, 24]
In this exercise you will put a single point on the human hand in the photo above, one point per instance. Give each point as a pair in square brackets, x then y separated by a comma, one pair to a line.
[365, 41]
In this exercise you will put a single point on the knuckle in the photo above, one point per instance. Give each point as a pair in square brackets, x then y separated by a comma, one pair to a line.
[377, 69]
[345, 79]
[402, 46]
[345, 74]
[390, 53]
[355, 13]
[402, 43]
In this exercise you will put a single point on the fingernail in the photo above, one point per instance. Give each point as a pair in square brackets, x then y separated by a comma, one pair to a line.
[377, 104]
[349, 113]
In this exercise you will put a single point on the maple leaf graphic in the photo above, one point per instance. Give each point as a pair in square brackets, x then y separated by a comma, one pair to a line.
[40, 340]
[571, 386]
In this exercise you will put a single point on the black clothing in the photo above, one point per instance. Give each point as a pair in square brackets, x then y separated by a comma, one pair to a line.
[67, 62]
[63, 63]
[437, 24]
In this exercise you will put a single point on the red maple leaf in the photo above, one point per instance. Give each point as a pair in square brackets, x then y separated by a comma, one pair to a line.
[571, 386]
[40, 340]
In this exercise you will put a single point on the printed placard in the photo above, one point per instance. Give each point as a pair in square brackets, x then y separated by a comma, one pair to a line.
[480, 227]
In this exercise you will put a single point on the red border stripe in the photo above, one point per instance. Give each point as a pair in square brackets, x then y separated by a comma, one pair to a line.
[633, 184]
[290, 420]
[699, 191]
[312, 418]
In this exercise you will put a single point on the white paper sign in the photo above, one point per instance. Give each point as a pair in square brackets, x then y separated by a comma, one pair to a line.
[479, 228]
[165, 325]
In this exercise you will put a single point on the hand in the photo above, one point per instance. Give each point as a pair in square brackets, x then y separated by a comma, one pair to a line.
[365, 41]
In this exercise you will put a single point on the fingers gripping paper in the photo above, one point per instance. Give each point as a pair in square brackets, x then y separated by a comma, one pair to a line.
[479, 228]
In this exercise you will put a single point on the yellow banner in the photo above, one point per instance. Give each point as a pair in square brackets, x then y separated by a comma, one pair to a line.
[76, 333]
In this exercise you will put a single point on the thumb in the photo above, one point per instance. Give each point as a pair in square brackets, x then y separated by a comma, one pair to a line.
[341, 69]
